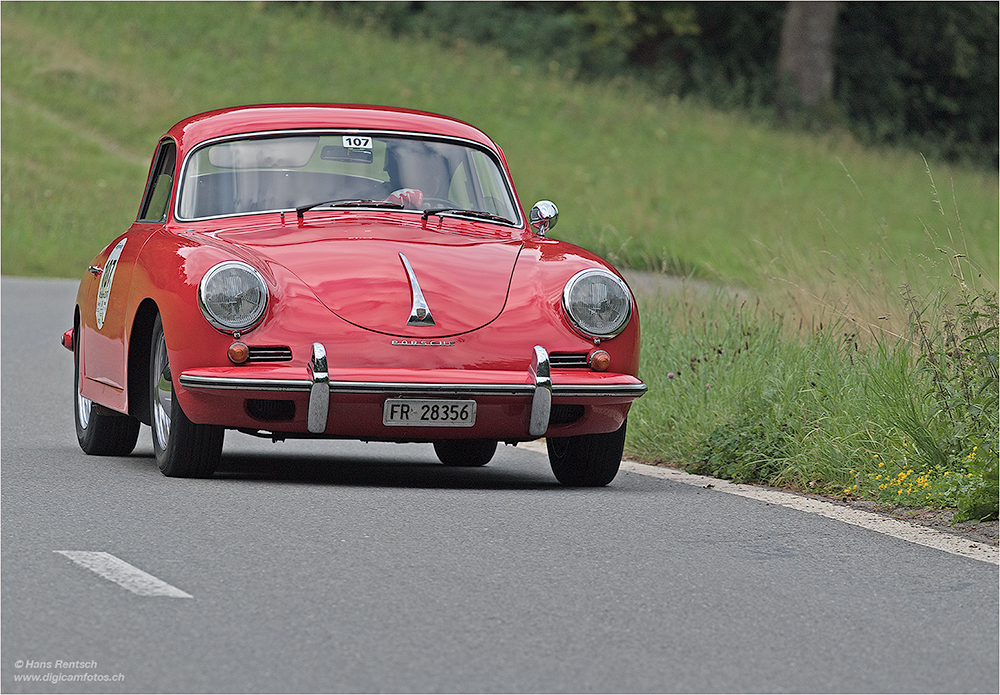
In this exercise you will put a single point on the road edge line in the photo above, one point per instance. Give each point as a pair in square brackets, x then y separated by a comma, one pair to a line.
[897, 528]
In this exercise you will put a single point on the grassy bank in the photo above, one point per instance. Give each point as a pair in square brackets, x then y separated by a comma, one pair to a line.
[813, 373]
[737, 393]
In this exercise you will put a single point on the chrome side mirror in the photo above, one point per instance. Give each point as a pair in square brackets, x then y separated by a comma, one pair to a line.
[543, 217]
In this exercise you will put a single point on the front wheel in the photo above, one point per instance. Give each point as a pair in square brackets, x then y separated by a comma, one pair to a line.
[183, 449]
[465, 452]
[587, 460]
[99, 431]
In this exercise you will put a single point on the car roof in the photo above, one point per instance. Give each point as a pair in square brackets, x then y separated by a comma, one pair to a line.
[276, 117]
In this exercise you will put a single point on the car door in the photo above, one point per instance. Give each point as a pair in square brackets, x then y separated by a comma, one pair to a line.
[105, 348]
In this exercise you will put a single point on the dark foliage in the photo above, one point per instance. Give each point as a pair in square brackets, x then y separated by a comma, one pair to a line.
[922, 75]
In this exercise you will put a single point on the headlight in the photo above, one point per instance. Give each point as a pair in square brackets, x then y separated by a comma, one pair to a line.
[232, 296]
[597, 303]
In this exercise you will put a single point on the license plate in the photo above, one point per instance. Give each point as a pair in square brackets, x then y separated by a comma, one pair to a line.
[412, 412]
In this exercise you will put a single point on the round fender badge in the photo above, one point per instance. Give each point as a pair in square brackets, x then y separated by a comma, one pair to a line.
[104, 289]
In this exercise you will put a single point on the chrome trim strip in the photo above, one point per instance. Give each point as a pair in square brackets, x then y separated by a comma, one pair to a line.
[276, 353]
[319, 391]
[420, 313]
[397, 388]
[595, 391]
[558, 390]
[104, 382]
[225, 383]
[392, 388]
[541, 399]
[574, 360]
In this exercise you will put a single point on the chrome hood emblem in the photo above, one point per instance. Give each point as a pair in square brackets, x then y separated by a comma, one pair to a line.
[420, 313]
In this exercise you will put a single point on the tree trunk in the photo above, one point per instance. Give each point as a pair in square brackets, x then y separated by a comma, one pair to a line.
[805, 65]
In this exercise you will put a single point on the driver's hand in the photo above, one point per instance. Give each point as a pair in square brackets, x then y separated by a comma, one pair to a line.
[407, 197]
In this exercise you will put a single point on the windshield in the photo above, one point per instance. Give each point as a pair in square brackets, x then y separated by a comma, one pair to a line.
[282, 173]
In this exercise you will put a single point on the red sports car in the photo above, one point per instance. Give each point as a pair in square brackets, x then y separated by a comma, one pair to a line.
[349, 272]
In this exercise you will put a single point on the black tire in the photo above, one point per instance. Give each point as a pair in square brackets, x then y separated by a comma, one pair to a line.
[100, 431]
[588, 460]
[465, 452]
[182, 448]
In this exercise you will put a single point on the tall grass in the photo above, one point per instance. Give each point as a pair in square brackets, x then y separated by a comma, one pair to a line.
[737, 392]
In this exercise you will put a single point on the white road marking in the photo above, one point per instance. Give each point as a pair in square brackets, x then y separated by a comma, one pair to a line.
[904, 530]
[125, 575]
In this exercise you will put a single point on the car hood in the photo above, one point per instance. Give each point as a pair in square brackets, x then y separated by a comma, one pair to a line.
[361, 276]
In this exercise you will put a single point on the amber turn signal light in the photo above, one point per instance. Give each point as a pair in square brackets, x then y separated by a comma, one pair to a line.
[599, 360]
[238, 353]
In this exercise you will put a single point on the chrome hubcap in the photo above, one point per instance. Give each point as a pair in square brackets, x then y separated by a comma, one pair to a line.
[83, 406]
[163, 395]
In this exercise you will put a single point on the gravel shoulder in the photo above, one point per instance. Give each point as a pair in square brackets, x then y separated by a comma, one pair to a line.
[985, 532]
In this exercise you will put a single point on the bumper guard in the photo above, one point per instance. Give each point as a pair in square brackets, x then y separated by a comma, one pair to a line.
[539, 387]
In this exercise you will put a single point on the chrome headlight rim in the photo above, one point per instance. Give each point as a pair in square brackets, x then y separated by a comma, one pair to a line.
[220, 323]
[575, 321]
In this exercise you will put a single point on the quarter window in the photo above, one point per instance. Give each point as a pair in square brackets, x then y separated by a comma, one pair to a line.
[157, 198]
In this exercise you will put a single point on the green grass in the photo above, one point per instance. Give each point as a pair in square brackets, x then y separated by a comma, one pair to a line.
[647, 181]
[792, 388]
[735, 394]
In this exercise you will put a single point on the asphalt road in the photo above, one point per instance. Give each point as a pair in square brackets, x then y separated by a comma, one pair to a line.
[333, 567]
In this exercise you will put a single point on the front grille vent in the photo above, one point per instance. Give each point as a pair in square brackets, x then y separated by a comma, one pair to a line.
[270, 410]
[279, 353]
[563, 414]
[568, 360]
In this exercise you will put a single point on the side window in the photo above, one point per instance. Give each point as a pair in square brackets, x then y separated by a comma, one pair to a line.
[157, 198]
[458, 190]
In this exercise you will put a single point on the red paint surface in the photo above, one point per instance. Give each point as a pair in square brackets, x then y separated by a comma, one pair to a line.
[336, 278]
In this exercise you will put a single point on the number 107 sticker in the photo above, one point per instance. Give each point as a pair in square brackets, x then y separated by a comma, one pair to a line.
[357, 142]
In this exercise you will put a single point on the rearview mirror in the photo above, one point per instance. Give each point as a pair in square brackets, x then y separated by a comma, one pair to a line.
[343, 154]
[543, 217]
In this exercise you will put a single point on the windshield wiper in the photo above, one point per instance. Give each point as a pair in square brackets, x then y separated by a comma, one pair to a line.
[480, 214]
[348, 203]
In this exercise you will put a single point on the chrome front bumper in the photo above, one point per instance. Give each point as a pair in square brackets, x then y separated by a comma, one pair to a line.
[538, 386]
